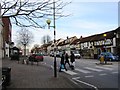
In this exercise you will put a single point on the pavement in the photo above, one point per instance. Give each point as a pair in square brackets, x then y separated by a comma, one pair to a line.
[35, 76]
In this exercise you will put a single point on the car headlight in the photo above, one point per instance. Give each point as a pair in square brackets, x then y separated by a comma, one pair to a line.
[113, 57]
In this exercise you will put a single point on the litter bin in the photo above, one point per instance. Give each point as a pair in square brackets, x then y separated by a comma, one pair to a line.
[6, 71]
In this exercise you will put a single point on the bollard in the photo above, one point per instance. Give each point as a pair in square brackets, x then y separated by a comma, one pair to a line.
[102, 60]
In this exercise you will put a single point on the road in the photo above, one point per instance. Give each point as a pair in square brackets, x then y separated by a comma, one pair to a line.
[88, 74]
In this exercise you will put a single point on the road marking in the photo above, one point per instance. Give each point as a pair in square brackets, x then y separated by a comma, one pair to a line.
[87, 84]
[93, 69]
[45, 63]
[51, 67]
[114, 72]
[73, 81]
[103, 74]
[70, 72]
[104, 68]
[83, 71]
[76, 78]
[89, 76]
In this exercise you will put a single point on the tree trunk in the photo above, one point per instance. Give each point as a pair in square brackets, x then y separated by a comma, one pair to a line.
[24, 50]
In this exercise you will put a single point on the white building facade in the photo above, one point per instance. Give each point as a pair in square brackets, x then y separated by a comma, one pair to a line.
[1, 38]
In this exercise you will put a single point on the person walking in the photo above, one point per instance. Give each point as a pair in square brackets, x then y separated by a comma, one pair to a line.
[72, 59]
[62, 63]
[67, 59]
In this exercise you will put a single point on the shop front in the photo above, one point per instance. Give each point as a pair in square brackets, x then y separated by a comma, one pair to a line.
[103, 46]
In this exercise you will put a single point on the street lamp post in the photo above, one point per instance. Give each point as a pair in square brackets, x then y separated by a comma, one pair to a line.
[104, 35]
[48, 22]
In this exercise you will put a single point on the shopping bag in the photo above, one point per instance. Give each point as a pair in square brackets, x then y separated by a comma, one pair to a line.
[72, 65]
[62, 66]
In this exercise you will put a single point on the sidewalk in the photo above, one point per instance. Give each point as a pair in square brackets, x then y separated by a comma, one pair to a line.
[33, 76]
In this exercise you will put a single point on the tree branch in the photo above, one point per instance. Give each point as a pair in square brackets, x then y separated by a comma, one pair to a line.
[31, 12]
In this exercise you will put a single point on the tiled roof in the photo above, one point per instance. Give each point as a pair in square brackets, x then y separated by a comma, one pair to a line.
[67, 41]
[75, 41]
[86, 39]
[98, 37]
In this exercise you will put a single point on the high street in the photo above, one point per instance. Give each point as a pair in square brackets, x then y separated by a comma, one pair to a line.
[90, 75]
[87, 75]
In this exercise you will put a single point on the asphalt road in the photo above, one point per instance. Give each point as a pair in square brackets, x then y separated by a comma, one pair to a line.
[88, 74]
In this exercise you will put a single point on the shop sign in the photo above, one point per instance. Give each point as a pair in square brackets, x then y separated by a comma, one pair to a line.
[103, 42]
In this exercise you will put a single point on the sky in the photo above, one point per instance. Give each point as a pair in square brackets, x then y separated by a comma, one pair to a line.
[87, 17]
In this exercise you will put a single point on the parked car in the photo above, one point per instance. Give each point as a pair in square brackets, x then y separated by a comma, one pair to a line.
[58, 54]
[52, 54]
[39, 57]
[109, 56]
[77, 54]
[36, 57]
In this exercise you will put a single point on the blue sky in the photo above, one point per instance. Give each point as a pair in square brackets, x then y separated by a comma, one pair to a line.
[86, 18]
[90, 18]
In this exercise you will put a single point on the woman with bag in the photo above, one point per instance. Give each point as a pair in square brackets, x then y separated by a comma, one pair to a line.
[62, 63]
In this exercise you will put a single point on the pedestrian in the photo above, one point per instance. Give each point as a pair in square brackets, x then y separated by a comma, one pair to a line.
[62, 63]
[67, 59]
[72, 59]
[105, 59]
[16, 54]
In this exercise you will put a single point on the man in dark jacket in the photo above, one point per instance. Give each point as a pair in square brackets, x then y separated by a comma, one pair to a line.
[66, 59]
[72, 59]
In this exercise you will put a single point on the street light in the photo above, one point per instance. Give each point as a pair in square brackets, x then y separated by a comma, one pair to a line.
[104, 35]
[48, 22]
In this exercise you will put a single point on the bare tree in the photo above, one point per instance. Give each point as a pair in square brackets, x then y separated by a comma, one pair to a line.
[24, 37]
[45, 39]
[26, 13]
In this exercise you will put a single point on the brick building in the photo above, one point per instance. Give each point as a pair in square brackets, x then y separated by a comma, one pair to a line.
[6, 36]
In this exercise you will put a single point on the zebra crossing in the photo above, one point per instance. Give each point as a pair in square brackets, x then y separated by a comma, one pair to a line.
[89, 70]
[106, 68]
[82, 71]
[94, 69]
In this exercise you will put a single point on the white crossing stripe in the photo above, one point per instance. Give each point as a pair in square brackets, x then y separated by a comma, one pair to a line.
[75, 78]
[103, 74]
[89, 76]
[83, 71]
[106, 68]
[93, 69]
[70, 72]
[114, 72]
